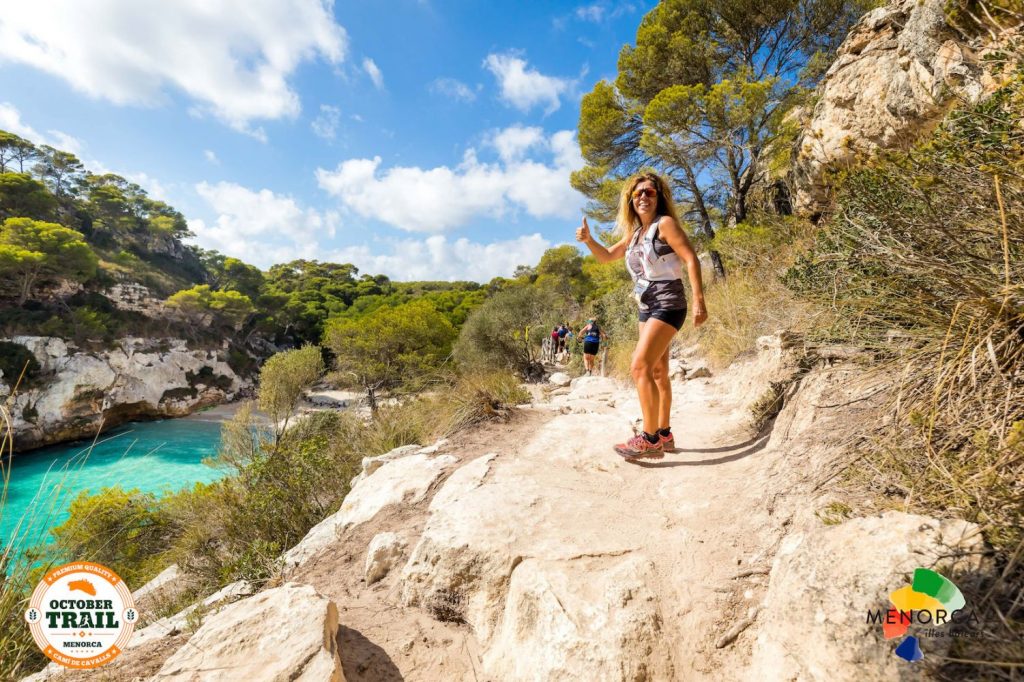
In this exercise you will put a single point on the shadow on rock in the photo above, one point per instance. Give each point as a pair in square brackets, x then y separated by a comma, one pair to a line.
[363, 660]
[758, 445]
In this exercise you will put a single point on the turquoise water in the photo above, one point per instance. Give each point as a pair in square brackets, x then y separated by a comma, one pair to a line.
[150, 456]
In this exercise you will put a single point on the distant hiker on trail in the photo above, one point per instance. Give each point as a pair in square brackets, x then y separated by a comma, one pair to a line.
[562, 331]
[656, 249]
[591, 335]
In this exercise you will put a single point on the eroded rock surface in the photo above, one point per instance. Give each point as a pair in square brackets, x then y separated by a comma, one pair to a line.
[897, 73]
[279, 635]
[138, 378]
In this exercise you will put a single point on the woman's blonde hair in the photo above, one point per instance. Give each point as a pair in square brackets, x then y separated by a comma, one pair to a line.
[628, 220]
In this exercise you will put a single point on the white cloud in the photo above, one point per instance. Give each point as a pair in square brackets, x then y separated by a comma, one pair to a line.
[525, 88]
[10, 120]
[593, 12]
[233, 57]
[450, 87]
[438, 199]
[325, 125]
[513, 142]
[436, 258]
[153, 187]
[260, 227]
[211, 156]
[371, 69]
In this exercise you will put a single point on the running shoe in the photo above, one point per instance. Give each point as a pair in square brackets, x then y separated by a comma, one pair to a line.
[668, 443]
[638, 447]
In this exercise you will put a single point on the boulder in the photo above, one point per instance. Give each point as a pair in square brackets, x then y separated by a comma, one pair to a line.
[492, 556]
[162, 584]
[383, 553]
[813, 624]
[402, 480]
[172, 625]
[283, 634]
[897, 73]
[559, 379]
[607, 627]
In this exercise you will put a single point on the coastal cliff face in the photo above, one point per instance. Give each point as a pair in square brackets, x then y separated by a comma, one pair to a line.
[900, 69]
[136, 379]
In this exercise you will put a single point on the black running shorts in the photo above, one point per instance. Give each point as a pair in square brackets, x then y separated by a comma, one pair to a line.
[590, 347]
[672, 317]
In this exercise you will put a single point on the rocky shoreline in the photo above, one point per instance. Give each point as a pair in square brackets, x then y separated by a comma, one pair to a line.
[76, 390]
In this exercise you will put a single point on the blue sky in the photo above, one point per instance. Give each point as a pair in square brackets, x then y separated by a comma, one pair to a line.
[422, 139]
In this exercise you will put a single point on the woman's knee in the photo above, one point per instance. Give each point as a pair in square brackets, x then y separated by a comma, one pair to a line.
[641, 366]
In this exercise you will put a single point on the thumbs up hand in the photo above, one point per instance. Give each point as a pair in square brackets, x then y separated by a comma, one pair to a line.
[583, 232]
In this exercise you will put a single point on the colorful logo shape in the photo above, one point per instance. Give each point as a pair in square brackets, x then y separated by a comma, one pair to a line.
[930, 600]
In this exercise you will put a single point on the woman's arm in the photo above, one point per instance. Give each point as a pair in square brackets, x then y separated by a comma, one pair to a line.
[676, 238]
[602, 253]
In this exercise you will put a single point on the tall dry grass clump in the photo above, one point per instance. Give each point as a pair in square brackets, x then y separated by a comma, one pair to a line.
[923, 260]
[752, 300]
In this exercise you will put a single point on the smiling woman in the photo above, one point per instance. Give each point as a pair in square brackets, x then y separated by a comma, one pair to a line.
[655, 249]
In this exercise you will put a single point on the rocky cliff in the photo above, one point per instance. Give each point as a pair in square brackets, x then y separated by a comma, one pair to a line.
[136, 379]
[901, 68]
[530, 551]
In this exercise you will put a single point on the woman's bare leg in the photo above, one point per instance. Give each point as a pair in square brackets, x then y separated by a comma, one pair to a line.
[661, 380]
[655, 339]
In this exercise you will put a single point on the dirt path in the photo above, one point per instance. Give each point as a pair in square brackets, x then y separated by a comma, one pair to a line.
[697, 520]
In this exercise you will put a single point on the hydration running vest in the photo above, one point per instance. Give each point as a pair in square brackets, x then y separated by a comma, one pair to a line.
[654, 268]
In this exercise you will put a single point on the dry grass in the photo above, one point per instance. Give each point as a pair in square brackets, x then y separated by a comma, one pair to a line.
[752, 300]
[20, 656]
[923, 261]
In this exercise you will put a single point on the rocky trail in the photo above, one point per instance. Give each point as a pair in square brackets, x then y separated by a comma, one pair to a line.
[530, 551]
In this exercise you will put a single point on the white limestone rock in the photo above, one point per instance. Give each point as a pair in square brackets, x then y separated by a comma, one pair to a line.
[279, 635]
[136, 378]
[559, 379]
[897, 73]
[383, 553]
[403, 480]
[834, 575]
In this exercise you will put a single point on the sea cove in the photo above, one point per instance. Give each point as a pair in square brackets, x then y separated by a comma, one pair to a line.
[151, 456]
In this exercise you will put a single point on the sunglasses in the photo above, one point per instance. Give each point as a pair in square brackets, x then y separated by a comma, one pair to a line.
[648, 192]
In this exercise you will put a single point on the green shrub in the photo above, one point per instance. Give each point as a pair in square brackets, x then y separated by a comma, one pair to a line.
[14, 359]
[126, 530]
[506, 332]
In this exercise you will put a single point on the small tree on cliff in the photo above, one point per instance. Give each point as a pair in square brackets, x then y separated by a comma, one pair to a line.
[32, 252]
[202, 305]
[390, 346]
[283, 378]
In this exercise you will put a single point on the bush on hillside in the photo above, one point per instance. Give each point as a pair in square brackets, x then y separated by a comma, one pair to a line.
[927, 248]
[15, 359]
[506, 332]
[126, 530]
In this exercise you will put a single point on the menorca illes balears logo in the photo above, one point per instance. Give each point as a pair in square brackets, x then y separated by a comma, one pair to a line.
[930, 602]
